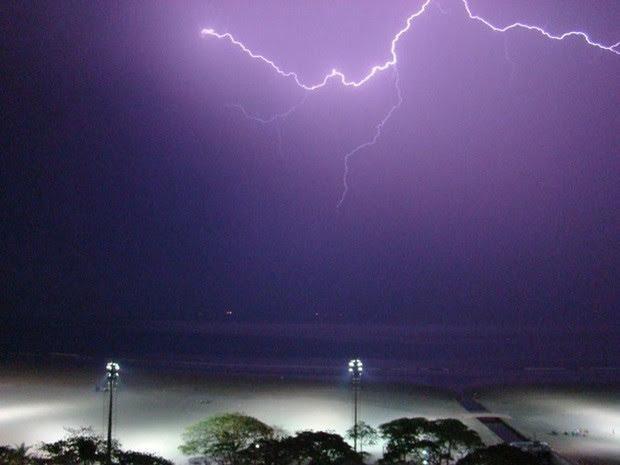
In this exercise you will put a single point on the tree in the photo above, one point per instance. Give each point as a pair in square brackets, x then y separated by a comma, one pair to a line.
[318, 448]
[266, 452]
[305, 448]
[420, 440]
[499, 455]
[140, 458]
[81, 446]
[19, 455]
[454, 439]
[408, 439]
[223, 438]
[366, 434]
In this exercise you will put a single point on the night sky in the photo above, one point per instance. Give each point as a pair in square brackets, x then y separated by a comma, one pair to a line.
[134, 189]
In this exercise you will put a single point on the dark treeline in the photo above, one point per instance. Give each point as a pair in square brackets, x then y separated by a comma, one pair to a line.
[236, 439]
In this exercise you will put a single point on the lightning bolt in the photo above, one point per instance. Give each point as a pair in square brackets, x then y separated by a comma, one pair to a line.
[271, 119]
[540, 30]
[334, 74]
[276, 118]
[391, 62]
[375, 138]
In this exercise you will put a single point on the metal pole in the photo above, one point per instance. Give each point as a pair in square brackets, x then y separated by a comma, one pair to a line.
[355, 388]
[355, 369]
[109, 450]
[112, 369]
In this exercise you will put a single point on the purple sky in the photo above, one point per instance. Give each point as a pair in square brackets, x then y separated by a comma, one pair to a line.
[133, 189]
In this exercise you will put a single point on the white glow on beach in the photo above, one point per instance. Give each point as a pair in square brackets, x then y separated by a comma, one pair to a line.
[23, 412]
[153, 410]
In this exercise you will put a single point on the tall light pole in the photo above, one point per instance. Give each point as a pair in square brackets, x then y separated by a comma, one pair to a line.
[112, 373]
[356, 367]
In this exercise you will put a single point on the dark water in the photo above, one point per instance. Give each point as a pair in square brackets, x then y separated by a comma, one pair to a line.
[450, 356]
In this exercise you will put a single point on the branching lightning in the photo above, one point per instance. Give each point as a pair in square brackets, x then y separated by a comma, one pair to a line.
[565, 35]
[334, 74]
[271, 119]
[391, 62]
[276, 118]
[375, 138]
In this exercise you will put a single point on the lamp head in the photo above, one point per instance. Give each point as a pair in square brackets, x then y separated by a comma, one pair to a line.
[356, 368]
[112, 369]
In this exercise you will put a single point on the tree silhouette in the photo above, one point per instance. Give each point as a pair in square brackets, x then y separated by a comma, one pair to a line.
[366, 434]
[223, 438]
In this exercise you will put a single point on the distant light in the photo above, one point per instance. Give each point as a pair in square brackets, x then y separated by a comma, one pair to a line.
[356, 367]
[112, 369]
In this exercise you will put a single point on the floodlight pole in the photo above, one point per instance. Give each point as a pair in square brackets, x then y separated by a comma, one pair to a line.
[355, 397]
[355, 369]
[109, 445]
[112, 370]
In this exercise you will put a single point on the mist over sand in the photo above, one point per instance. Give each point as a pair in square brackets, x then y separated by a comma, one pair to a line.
[155, 404]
